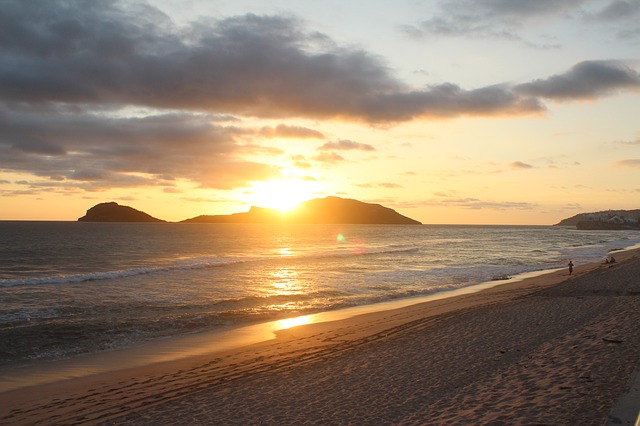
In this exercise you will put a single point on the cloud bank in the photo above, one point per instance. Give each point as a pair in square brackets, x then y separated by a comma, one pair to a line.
[507, 19]
[586, 80]
[105, 53]
[113, 94]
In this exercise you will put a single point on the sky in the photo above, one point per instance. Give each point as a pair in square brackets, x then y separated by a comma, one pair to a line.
[448, 111]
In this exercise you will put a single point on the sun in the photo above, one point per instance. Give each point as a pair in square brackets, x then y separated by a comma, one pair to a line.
[283, 194]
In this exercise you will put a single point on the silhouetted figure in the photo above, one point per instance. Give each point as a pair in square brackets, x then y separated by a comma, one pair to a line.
[570, 265]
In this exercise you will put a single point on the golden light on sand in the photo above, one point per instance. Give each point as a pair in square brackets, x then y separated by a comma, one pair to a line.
[293, 322]
[283, 194]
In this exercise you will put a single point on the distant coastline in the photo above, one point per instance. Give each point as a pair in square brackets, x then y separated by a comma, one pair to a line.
[604, 220]
[336, 210]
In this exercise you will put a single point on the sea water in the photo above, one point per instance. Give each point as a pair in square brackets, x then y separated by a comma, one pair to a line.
[69, 288]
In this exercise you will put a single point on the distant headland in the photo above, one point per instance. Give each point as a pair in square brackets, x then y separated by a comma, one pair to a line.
[604, 220]
[329, 210]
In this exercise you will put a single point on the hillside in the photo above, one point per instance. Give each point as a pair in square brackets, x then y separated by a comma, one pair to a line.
[608, 219]
[113, 212]
[329, 210]
[254, 215]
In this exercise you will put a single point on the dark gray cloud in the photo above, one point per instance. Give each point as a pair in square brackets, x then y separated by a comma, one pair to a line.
[105, 53]
[588, 79]
[346, 144]
[511, 9]
[619, 17]
[95, 52]
[619, 10]
[498, 19]
[508, 19]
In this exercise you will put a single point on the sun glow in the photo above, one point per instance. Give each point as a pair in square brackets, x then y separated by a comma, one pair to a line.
[283, 194]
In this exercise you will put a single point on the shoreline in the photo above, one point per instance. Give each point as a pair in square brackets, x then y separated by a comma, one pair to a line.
[319, 343]
[175, 348]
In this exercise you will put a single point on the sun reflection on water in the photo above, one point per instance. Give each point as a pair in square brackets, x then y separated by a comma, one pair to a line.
[285, 282]
[285, 251]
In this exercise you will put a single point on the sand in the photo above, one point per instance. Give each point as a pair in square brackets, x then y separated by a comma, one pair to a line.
[550, 350]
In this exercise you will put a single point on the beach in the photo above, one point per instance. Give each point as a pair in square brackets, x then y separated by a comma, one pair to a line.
[554, 349]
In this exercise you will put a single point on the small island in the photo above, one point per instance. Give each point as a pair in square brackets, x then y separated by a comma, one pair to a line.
[329, 210]
[114, 212]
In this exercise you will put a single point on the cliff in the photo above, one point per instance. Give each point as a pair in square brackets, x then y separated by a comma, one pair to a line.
[113, 212]
[604, 220]
[329, 210]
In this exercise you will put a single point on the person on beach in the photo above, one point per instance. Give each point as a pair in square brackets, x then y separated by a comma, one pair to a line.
[570, 265]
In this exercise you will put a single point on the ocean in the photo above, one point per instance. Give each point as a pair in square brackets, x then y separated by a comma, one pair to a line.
[70, 288]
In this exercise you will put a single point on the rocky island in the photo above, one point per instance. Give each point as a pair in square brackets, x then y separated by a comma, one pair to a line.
[114, 212]
[329, 210]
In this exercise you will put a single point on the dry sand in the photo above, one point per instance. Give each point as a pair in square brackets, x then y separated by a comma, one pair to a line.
[550, 350]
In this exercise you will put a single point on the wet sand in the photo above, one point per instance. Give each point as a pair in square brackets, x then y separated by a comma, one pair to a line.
[554, 349]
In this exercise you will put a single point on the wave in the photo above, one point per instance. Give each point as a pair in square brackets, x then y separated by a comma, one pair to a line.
[187, 264]
[109, 275]
[583, 251]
